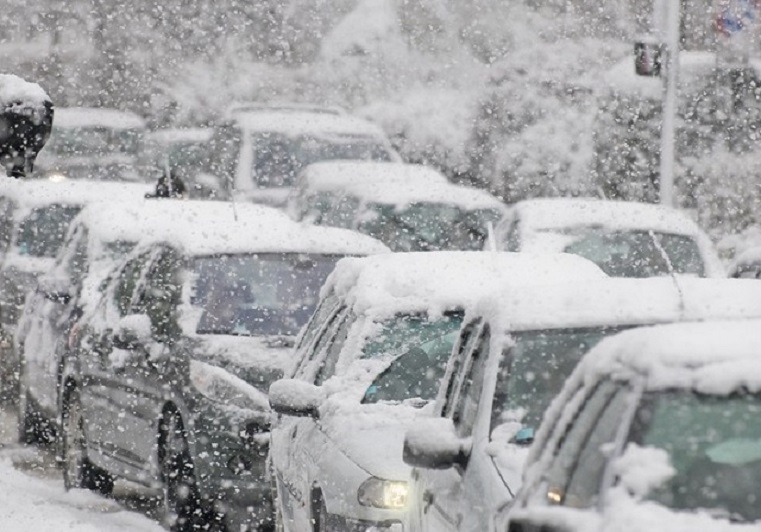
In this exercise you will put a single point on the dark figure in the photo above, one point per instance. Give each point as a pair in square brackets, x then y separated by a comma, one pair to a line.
[26, 118]
[169, 185]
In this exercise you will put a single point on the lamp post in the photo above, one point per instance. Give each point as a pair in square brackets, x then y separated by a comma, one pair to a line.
[670, 37]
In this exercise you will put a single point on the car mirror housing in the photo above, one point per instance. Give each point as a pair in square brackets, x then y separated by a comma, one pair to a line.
[434, 444]
[293, 397]
[132, 331]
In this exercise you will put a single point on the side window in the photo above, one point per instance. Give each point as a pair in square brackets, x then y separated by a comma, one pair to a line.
[313, 352]
[160, 295]
[466, 402]
[317, 321]
[513, 236]
[6, 222]
[328, 366]
[129, 275]
[573, 442]
[78, 265]
[465, 344]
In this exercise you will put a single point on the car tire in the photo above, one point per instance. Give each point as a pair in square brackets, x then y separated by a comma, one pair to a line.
[182, 511]
[32, 427]
[78, 471]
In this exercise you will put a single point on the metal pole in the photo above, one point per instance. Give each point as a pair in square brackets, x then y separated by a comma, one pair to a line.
[668, 126]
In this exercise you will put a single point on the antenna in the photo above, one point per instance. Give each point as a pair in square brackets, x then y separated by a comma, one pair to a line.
[670, 266]
[491, 239]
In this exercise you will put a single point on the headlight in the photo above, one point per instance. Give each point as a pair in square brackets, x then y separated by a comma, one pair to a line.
[380, 493]
[222, 387]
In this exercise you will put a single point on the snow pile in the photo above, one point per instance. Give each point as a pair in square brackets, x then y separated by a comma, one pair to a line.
[642, 469]
[372, 27]
[20, 96]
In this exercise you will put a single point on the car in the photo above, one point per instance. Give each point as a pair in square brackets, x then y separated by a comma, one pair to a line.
[657, 429]
[100, 236]
[166, 384]
[258, 153]
[747, 265]
[34, 218]
[515, 352]
[407, 207]
[368, 362]
[626, 239]
[183, 152]
[93, 143]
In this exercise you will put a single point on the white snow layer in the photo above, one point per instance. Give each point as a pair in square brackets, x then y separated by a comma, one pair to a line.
[76, 117]
[20, 94]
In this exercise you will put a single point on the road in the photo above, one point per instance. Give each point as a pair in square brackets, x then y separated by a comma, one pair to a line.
[33, 499]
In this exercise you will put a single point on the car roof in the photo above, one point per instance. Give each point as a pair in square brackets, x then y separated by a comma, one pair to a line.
[332, 175]
[306, 123]
[188, 134]
[715, 357]
[411, 186]
[70, 117]
[438, 281]
[33, 193]
[202, 227]
[614, 302]
[546, 214]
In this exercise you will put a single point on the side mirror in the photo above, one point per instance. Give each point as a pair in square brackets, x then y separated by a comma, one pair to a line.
[56, 290]
[434, 444]
[132, 332]
[293, 397]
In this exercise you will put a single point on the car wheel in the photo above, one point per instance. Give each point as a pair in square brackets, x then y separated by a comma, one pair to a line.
[181, 503]
[78, 472]
[32, 428]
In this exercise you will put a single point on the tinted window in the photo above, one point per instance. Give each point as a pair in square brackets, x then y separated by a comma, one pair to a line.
[42, 233]
[160, 296]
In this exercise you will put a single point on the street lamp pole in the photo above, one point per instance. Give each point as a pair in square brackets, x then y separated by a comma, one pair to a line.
[670, 36]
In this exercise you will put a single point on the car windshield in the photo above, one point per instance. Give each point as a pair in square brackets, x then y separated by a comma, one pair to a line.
[534, 370]
[637, 253]
[279, 158]
[428, 226]
[258, 294]
[93, 141]
[425, 346]
[42, 233]
[714, 444]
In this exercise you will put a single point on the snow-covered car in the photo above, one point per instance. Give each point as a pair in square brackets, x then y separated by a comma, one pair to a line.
[167, 383]
[93, 143]
[626, 239]
[514, 355]
[259, 152]
[368, 362]
[34, 218]
[185, 153]
[747, 265]
[657, 429]
[407, 207]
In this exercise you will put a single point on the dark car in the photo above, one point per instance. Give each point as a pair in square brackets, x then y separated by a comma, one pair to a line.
[167, 386]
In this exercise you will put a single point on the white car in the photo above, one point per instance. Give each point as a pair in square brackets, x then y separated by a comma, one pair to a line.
[368, 362]
[626, 239]
[514, 354]
[260, 151]
[407, 207]
[34, 218]
[657, 429]
[94, 143]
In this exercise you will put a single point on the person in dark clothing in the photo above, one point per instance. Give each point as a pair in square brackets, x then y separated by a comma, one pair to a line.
[169, 185]
[26, 119]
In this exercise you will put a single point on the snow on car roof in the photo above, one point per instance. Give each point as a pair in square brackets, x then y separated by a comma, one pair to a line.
[548, 214]
[717, 357]
[29, 194]
[305, 123]
[332, 175]
[435, 282]
[15, 91]
[189, 134]
[70, 117]
[399, 191]
[621, 302]
[210, 227]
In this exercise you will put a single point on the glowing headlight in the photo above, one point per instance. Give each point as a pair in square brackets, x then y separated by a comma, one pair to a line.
[380, 493]
[222, 387]
[56, 177]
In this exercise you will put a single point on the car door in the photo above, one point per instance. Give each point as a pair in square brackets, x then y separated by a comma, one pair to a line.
[438, 491]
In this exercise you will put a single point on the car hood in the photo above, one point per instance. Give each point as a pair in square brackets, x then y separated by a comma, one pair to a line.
[372, 436]
[256, 360]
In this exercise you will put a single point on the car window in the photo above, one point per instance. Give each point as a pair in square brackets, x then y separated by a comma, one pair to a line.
[328, 366]
[127, 282]
[43, 231]
[6, 222]
[573, 441]
[469, 394]
[323, 311]
[467, 338]
[77, 267]
[318, 348]
[512, 237]
[160, 294]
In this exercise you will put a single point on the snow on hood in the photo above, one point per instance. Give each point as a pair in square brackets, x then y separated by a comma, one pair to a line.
[620, 301]
[434, 282]
[335, 175]
[710, 357]
[209, 227]
[305, 123]
[75, 117]
[22, 97]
